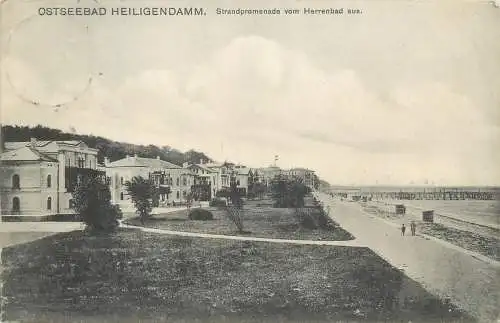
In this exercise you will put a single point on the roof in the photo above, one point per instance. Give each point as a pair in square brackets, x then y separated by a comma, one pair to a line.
[301, 169]
[38, 143]
[213, 165]
[203, 166]
[142, 162]
[25, 154]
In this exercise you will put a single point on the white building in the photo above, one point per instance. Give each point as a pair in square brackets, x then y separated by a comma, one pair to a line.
[37, 178]
[167, 176]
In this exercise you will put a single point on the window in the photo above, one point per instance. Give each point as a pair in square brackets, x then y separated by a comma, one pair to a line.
[178, 195]
[16, 204]
[71, 203]
[15, 181]
[121, 196]
[121, 180]
[184, 193]
[49, 180]
[177, 181]
[184, 181]
[81, 162]
[49, 203]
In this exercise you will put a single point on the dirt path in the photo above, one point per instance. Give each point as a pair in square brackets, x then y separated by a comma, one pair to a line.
[446, 271]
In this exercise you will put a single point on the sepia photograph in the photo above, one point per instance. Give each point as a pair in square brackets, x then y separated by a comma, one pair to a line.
[249, 161]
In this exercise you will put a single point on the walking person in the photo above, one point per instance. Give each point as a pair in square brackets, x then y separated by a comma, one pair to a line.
[403, 229]
[413, 228]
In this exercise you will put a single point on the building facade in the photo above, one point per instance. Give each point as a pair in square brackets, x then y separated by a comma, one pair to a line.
[206, 181]
[174, 182]
[38, 177]
[266, 174]
[306, 175]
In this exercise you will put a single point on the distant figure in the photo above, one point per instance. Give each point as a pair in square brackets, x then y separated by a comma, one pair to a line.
[403, 229]
[413, 228]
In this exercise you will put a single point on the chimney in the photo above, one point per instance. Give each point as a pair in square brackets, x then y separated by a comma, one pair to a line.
[106, 161]
[158, 157]
[33, 142]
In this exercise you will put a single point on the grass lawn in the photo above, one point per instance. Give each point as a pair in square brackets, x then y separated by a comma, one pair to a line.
[131, 275]
[259, 220]
[484, 245]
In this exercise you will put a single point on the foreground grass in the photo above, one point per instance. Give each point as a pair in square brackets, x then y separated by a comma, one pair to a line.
[132, 275]
[258, 220]
[485, 245]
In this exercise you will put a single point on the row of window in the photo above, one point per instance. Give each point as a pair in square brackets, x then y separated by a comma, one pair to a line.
[184, 181]
[16, 204]
[80, 162]
[184, 194]
[16, 181]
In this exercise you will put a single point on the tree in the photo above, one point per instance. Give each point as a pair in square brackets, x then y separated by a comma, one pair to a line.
[106, 148]
[257, 190]
[92, 201]
[142, 193]
[235, 195]
[234, 211]
[289, 192]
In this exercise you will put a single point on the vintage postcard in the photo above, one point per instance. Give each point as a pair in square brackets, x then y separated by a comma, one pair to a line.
[249, 161]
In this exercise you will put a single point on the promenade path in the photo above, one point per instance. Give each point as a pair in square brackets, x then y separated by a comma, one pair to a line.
[446, 271]
[348, 243]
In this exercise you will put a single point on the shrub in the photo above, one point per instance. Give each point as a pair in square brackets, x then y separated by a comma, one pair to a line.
[324, 220]
[93, 203]
[234, 214]
[200, 215]
[288, 192]
[217, 202]
[306, 218]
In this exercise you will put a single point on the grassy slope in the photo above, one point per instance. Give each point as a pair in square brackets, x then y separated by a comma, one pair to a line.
[131, 275]
[261, 221]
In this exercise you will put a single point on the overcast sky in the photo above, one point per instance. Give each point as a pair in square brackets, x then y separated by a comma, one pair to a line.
[407, 91]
